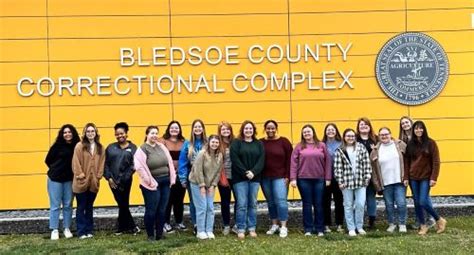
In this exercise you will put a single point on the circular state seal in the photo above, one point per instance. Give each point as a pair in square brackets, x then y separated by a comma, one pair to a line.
[412, 68]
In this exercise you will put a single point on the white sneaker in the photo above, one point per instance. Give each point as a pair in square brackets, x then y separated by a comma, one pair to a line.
[89, 236]
[273, 229]
[83, 237]
[202, 235]
[226, 230]
[320, 234]
[283, 232]
[391, 228]
[307, 234]
[352, 233]
[55, 234]
[340, 228]
[327, 229]
[235, 229]
[402, 228]
[211, 235]
[67, 233]
[361, 231]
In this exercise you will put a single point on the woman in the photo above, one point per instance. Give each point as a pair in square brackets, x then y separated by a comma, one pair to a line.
[405, 129]
[353, 172]
[60, 176]
[248, 157]
[88, 167]
[187, 156]
[422, 165]
[388, 177]
[276, 173]
[155, 167]
[311, 172]
[367, 137]
[226, 135]
[203, 181]
[118, 172]
[332, 139]
[173, 140]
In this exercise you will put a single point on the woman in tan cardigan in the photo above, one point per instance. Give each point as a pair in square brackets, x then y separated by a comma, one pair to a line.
[88, 168]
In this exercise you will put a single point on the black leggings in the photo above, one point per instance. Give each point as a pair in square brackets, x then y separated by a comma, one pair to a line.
[176, 201]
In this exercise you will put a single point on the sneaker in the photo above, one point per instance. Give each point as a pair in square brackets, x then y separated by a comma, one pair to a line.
[89, 236]
[181, 227]
[352, 233]
[283, 232]
[430, 222]
[391, 228]
[83, 237]
[202, 235]
[211, 235]
[226, 230]
[241, 235]
[118, 233]
[67, 233]
[339, 229]
[168, 229]
[235, 229]
[361, 231]
[55, 234]
[307, 234]
[136, 231]
[320, 234]
[273, 229]
[327, 229]
[253, 234]
[402, 228]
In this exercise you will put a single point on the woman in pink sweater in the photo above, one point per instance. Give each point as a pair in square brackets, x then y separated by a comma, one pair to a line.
[310, 171]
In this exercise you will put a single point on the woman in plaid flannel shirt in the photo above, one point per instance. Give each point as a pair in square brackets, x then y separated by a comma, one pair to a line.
[353, 171]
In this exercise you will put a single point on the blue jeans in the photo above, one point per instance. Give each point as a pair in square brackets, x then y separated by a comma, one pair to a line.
[204, 205]
[246, 193]
[60, 193]
[421, 198]
[370, 200]
[192, 209]
[312, 194]
[395, 194]
[354, 202]
[85, 212]
[276, 194]
[155, 207]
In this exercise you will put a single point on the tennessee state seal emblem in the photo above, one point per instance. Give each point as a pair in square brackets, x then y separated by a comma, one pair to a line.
[412, 68]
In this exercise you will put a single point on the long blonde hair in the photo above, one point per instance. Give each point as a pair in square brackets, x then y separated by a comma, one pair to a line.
[193, 138]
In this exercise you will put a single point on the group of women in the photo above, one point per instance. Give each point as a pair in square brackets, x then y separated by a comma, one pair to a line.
[351, 169]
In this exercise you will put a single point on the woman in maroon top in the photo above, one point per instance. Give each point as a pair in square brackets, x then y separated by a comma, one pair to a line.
[173, 140]
[275, 177]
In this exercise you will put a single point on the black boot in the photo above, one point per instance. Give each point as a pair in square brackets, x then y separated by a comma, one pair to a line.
[371, 222]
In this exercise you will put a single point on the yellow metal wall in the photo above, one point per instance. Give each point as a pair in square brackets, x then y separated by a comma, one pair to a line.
[53, 38]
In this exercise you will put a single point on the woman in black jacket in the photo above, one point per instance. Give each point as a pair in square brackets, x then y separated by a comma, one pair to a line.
[118, 171]
[59, 162]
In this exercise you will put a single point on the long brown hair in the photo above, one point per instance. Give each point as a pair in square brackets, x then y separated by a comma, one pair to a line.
[402, 135]
[315, 137]
[372, 135]
[226, 124]
[208, 149]
[86, 145]
[241, 132]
